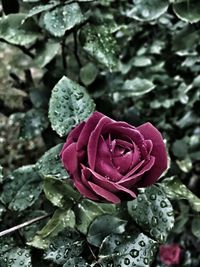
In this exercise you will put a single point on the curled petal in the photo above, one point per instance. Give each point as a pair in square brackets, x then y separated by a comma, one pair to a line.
[110, 185]
[104, 193]
[85, 191]
[104, 164]
[70, 158]
[128, 133]
[158, 151]
[87, 129]
[134, 178]
[94, 140]
[73, 136]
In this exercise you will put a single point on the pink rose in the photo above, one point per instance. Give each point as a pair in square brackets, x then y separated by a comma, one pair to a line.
[170, 254]
[108, 160]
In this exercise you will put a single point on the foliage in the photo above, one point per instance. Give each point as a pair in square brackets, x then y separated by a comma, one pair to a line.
[136, 61]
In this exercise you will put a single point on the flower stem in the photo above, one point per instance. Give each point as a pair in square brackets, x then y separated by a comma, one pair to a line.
[22, 225]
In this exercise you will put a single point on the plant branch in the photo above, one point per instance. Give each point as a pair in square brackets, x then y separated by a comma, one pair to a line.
[22, 48]
[63, 54]
[22, 225]
[76, 49]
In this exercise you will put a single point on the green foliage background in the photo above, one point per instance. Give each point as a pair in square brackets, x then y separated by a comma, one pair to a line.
[139, 61]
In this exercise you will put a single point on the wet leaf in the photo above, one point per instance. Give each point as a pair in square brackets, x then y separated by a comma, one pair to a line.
[40, 8]
[153, 212]
[67, 244]
[76, 261]
[103, 226]
[137, 87]
[101, 45]
[188, 11]
[127, 250]
[50, 165]
[145, 10]
[88, 73]
[46, 53]
[175, 189]
[23, 189]
[14, 31]
[86, 211]
[62, 18]
[69, 105]
[18, 257]
[60, 220]
[61, 194]
[33, 124]
[196, 227]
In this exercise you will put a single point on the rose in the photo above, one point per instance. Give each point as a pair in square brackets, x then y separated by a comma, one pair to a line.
[108, 160]
[170, 254]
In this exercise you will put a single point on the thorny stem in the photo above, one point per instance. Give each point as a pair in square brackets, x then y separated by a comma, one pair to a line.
[22, 225]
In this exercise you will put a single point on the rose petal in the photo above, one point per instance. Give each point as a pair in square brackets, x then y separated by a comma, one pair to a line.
[128, 133]
[70, 158]
[73, 136]
[158, 151]
[94, 140]
[104, 193]
[132, 180]
[109, 185]
[88, 128]
[85, 191]
[149, 145]
[104, 164]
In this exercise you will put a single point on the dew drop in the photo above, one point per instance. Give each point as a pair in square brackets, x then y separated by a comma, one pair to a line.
[134, 253]
[153, 197]
[163, 204]
[154, 221]
[126, 261]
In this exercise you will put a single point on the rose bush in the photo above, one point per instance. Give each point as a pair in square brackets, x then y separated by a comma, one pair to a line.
[108, 160]
[170, 254]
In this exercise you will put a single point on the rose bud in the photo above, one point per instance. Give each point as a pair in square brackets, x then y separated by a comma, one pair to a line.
[170, 254]
[109, 160]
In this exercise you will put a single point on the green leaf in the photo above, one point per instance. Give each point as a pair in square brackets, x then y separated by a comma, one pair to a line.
[40, 8]
[68, 244]
[145, 10]
[180, 148]
[62, 18]
[23, 189]
[188, 11]
[18, 257]
[196, 227]
[69, 105]
[88, 73]
[127, 250]
[101, 45]
[50, 165]
[153, 212]
[103, 226]
[14, 31]
[175, 189]
[86, 211]
[61, 194]
[28, 232]
[34, 123]
[76, 261]
[137, 87]
[46, 53]
[60, 220]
